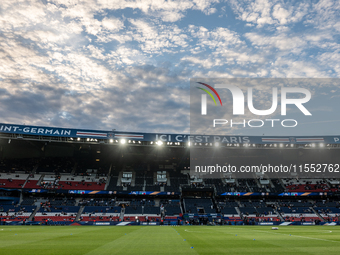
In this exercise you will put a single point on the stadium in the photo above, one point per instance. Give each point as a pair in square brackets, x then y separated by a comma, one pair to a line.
[63, 183]
[169, 127]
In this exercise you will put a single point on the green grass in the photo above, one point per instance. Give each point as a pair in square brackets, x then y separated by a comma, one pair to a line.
[320, 240]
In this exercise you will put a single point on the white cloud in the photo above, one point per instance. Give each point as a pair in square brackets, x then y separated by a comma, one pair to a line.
[63, 63]
[266, 12]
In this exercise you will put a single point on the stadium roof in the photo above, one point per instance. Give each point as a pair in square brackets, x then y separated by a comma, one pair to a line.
[13, 131]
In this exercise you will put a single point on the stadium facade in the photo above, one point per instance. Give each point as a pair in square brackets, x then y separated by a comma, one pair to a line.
[60, 176]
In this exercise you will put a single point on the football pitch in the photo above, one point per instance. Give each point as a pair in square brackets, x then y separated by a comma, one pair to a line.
[169, 240]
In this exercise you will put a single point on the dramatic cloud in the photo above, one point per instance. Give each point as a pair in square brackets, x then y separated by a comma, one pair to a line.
[126, 64]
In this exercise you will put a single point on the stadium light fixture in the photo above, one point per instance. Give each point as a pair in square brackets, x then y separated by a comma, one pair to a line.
[111, 140]
[281, 145]
[159, 143]
[189, 144]
[78, 139]
[322, 145]
[217, 144]
[292, 145]
[313, 145]
[275, 145]
[122, 141]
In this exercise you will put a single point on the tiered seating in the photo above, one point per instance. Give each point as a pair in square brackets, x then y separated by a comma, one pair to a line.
[301, 218]
[191, 205]
[134, 210]
[82, 182]
[328, 211]
[10, 180]
[142, 218]
[16, 213]
[98, 202]
[265, 211]
[230, 187]
[256, 208]
[228, 207]
[326, 203]
[27, 201]
[308, 187]
[297, 212]
[113, 183]
[101, 209]
[139, 180]
[140, 207]
[264, 219]
[249, 211]
[32, 182]
[254, 186]
[243, 184]
[56, 165]
[277, 186]
[100, 213]
[56, 213]
[150, 218]
[19, 165]
[220, 187]
[99, 218]
[152, 188]
[305, 185]
[149, 181]
[62, 202]
[149, 207]
[176, 179]
[171, 207]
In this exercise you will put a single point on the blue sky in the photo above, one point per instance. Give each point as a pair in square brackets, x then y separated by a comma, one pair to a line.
[126, 65]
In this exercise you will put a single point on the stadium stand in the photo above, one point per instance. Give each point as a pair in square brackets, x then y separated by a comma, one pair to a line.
[94, 182]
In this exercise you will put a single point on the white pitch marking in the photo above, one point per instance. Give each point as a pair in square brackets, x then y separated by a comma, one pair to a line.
[301, 236]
